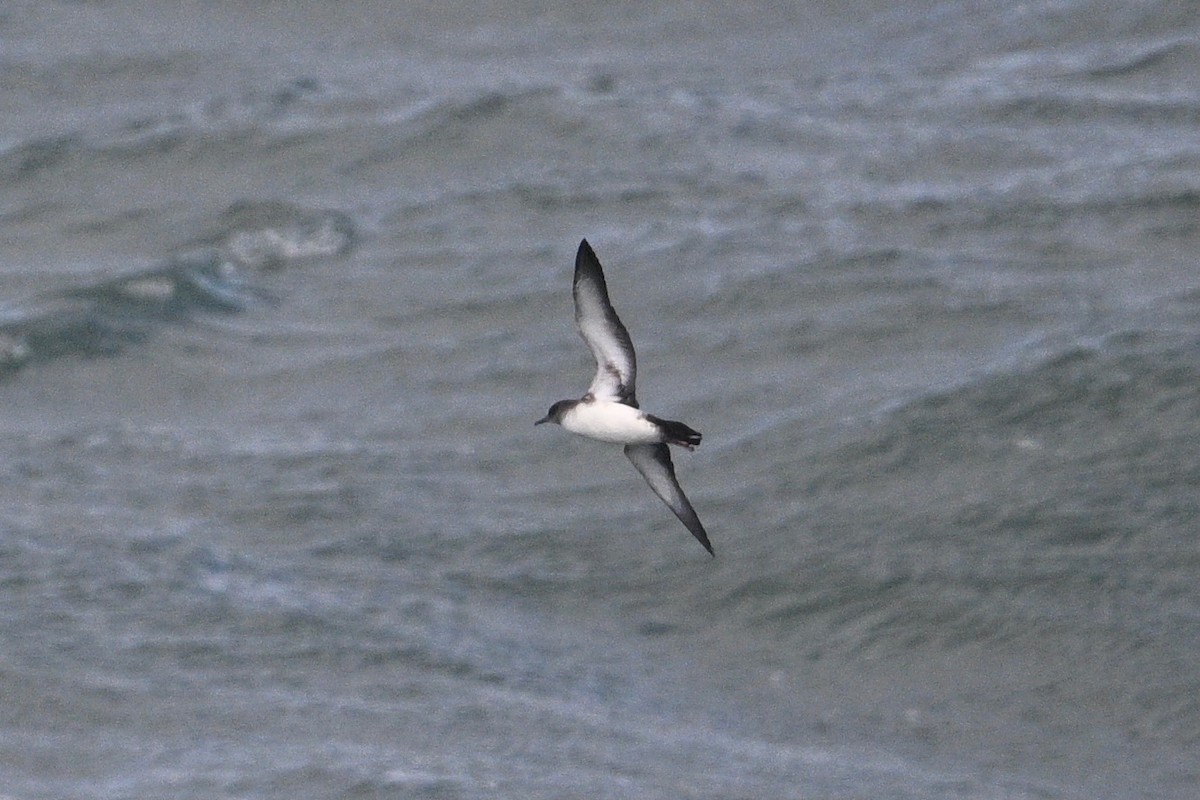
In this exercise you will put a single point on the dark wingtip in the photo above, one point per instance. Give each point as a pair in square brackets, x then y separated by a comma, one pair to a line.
[585, 252]
[588, 265]
[701, 535]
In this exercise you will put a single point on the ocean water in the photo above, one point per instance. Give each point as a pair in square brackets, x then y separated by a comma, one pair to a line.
[283, 288]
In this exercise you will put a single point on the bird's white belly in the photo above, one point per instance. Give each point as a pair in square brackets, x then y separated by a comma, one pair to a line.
[611, 422]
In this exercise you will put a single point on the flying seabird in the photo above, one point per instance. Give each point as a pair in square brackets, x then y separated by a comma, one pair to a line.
[609, 411]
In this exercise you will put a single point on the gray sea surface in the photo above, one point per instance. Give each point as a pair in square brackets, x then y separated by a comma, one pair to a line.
[284, 286]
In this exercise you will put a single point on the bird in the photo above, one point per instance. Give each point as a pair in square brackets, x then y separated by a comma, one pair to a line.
[609, 410]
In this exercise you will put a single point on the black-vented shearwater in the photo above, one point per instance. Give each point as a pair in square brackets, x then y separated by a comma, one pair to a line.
[609, 411]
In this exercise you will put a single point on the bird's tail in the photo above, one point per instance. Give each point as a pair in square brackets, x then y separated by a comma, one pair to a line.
[677, 433]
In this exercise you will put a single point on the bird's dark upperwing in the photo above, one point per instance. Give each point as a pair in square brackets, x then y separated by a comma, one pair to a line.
[654, 462]
[601, 329]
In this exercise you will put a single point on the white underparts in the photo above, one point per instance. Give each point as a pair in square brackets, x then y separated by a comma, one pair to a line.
[611, 422]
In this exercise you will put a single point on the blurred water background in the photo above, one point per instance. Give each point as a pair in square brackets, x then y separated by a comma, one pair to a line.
[283, 287]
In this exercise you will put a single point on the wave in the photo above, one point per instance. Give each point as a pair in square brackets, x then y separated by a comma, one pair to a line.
[1173, 57]
[213, 275]
[1026, 484]
[279, 114]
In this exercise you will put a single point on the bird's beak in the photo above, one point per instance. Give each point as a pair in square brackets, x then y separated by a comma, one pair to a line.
[543, 419]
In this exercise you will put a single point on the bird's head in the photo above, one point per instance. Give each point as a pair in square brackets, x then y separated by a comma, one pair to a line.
[556, 412]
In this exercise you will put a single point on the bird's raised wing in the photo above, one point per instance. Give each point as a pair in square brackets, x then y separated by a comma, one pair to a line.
[601, 328]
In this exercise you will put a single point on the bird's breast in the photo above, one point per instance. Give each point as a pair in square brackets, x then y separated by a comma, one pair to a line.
[611, 422]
